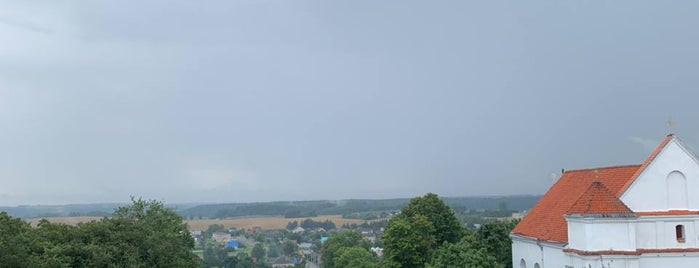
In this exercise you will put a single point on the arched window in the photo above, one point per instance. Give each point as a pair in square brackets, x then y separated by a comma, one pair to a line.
[536, 265]
[676, 190]
[522, 264]
[679, 233]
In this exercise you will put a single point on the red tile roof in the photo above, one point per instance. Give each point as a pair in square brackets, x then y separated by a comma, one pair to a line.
[598, 200]
[545, 220]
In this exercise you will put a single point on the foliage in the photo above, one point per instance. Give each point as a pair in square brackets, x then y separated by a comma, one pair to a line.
[292, 225]
[145, 234]
[215, 228]
[495, 238]
[14, 241]
[464, 254]
[423, 225]
[446, 226]
[289, 248]
[258, 252]
[408, 241]
[343, 239]
[356, 257]
[311, 224]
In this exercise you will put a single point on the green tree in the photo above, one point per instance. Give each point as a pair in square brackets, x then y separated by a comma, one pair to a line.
[162, 237]
[421, 227]
[214, 228]
[467, 253]
[343, 239]
[292, 225]
[145, 234]
[446, 226]
[408, 242]
[258, 252]
[355, 257]
[14, 241]
[495, 238]
[289, 248]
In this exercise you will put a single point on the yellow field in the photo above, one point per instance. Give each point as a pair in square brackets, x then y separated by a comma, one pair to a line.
[65, 220]
[266, 223]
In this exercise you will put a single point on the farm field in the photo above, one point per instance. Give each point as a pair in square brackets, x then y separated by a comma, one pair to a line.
[64, 220]
[266, 223]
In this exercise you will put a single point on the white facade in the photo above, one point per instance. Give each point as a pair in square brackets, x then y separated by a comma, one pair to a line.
[669, 182]
[663, 232]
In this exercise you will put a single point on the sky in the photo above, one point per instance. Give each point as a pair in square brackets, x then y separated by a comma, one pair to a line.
[247, 101]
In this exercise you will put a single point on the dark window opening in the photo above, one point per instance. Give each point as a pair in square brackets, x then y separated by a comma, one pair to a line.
[679, 233]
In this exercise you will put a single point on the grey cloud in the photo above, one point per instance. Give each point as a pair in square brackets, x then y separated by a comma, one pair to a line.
[25, 25]
[250, 101]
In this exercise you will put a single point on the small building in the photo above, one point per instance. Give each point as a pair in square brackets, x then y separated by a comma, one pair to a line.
[377, 250]
[221, 237]
[306, 248]
[283, 262]
[232, 244]
[298, 229]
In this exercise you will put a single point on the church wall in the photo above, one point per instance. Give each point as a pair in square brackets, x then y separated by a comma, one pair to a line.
[669, 182]
[660, 232]
[533, 252]
[592, 234]
[606, 261]
[676, 260]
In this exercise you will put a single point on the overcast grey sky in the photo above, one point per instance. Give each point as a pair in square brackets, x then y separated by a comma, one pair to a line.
[237, 101]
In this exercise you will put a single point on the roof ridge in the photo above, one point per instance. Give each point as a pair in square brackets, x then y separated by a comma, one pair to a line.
[605, 167]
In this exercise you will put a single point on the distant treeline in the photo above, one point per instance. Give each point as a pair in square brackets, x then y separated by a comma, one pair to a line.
[27, 212]
[354, 208]
[350, 208]
[73, 210]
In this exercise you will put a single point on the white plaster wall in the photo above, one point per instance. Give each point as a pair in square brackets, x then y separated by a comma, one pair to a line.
[604, 261]
[646, 235]
[668, 238]
[619, 235]
[591, 234]
[525, 249]
[546, 256]
[554, 257]
[649, 192]
[659, 232]
[577, 235]
[669, 260]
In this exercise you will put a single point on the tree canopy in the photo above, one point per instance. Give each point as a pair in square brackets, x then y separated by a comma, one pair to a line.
[422, 226]
[144, 234]
[336, 243]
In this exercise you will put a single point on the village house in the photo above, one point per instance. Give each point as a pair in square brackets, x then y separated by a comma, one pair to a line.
[633, 216]
[221, 237]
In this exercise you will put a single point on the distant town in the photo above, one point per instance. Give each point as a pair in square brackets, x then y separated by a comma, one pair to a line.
[287, 234]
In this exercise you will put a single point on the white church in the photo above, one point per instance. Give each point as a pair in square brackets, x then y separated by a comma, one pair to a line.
[633, 216]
